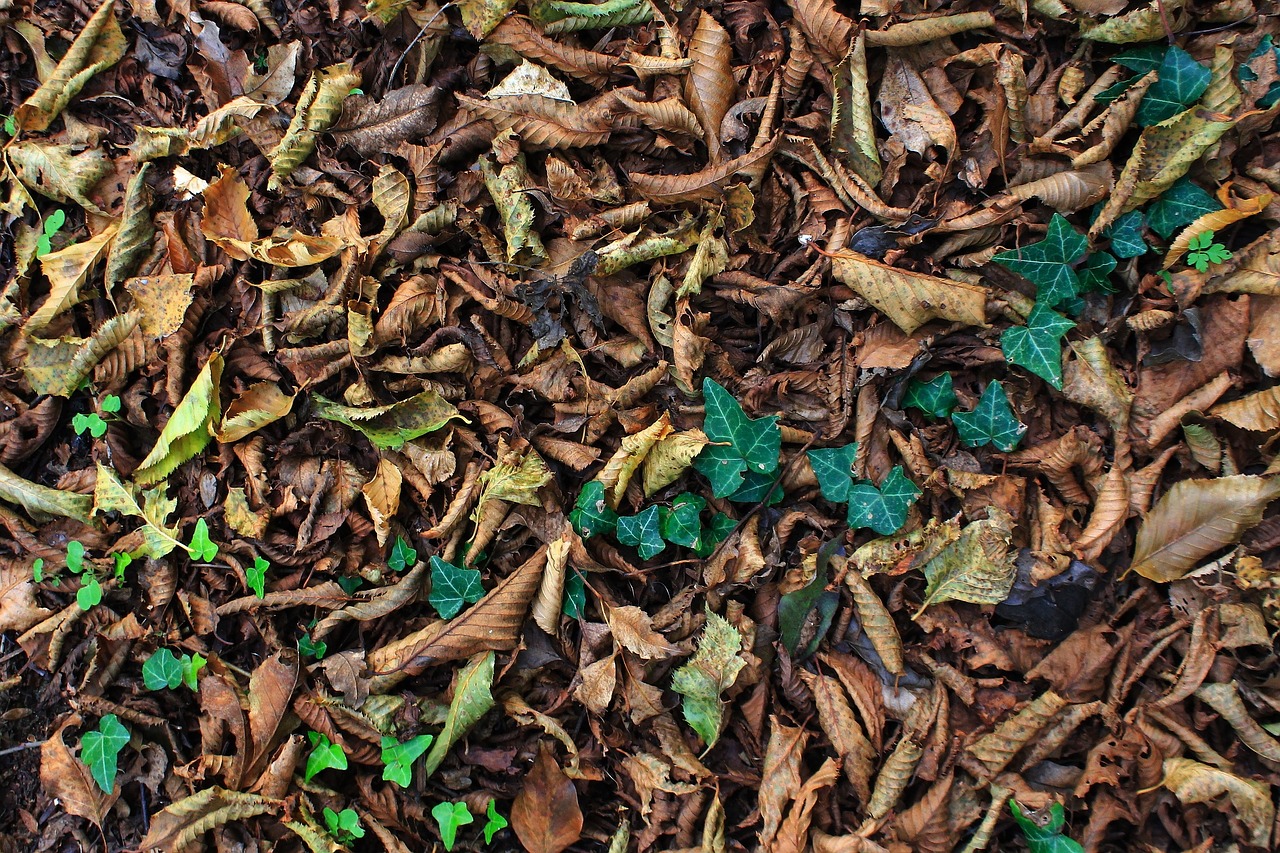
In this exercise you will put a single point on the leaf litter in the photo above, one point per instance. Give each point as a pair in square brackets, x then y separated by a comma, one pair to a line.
[633, 426]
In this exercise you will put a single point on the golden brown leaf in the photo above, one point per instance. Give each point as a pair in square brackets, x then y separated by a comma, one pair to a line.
[546, 816]
[910, 299]
[99, 45]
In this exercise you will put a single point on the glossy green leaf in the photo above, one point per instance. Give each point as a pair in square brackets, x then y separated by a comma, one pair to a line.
[992, 421]
[453, 587]
[681, 524]
[723, 467]
[758, 441]
[162, 670]
[402, 556]
[1048, 264]
[716, 531]
[1181, 204]
[833, 466]
[256, 576]
[575, 595]
[472, 699]
[1142, 59]
[1095, 276]
[1047, 838]
[90, 593]
[495, 823]
[312, 648]
[325, 755]
[643, 531]
[100, 749]
[1037, 346]
[202, 547]
[712, 670]
[1181, 82]
[591, 514]
[883, 509]
[398, 758]
[1126, 236]
[191, 666]
[756, 487]
[449, 817]
[936, 397]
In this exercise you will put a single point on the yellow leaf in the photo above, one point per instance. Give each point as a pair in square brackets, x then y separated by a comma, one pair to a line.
[57, 172]
[669, 458]
[382, 496]
[188, 429]
[910, 299]
[1196, 518]
[41, 502]
[260, 404]
[978, 567]
[67, 270]
[618, 471]
[59, 367]
[163, 301]
[1259, 412]
[1193, 782]
[100, 45]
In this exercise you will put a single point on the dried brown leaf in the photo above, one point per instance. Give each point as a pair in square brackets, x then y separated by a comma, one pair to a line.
[546, 816]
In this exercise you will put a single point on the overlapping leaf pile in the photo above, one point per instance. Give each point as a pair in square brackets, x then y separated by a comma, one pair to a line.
[640, 426]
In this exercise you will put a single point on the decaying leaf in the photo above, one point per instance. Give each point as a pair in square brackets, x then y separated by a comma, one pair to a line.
[712, 670]
[911, 299]
[1193, 782]
[977, 567]
[189, 428]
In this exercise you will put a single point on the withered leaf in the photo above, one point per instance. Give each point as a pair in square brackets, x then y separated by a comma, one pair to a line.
[546, 815]
[405, 114]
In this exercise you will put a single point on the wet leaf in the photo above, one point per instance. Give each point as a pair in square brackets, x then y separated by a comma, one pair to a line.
[978, 567]
[1193, 782]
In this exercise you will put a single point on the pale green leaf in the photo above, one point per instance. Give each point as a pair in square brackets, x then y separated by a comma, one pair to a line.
[472, 699]
[189, 429]
[711, 671]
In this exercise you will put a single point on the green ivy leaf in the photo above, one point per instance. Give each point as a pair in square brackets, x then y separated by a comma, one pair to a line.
[402, 556]
[350, 583]
[681, 524]
[312, 648]
[344, 826]
[123, 559]
[100, 749]
[833, 466]
[643, 531]
[575, 595]
[1142, 59]
[1095, 275]
[110, 404]
[89, 594]
[398, 758]
[1181, 204]
[75, 556]
[793, 614]
[452, 587]
[191, 666]
[162, 670]
[936, 397]
[1037, 346]
[1048, 264]
[1126, 236]
[723, 467]
[495, 824]
[1047, 838]
[256, 576]
[449, 817]
[992, 421]
[1181, 82]
[202, 547]
[756, 486]
[714, 533]
[882, 509]
[758, 441]
[591, 514]
[325, 755]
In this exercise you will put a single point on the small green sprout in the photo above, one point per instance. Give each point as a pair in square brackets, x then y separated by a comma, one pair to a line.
[165, 669]
[450, 816]
[256, 575]
[1205, 251]
[52, 225]
[37, 570]
[344, 826]
[495, 824]
[402, 556]
[93, 423]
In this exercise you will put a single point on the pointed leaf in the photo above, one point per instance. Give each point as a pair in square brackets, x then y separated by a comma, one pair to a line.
[991, 422]
[936, 397]
[1181, 204]
[546, 815]
[389, 427]
[99, 45]
[758, 441]
[1047, 264]
[591, 514]
[833, 466]
[398, 758]
[1037, 346]
[711, 671]
[100, 749]
[681, 524]
[472, 699]
[189, 429]
[162, 670]
[1181, 82]
[643, 532]
[452, 587]
[883, 509]
[978, 567]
